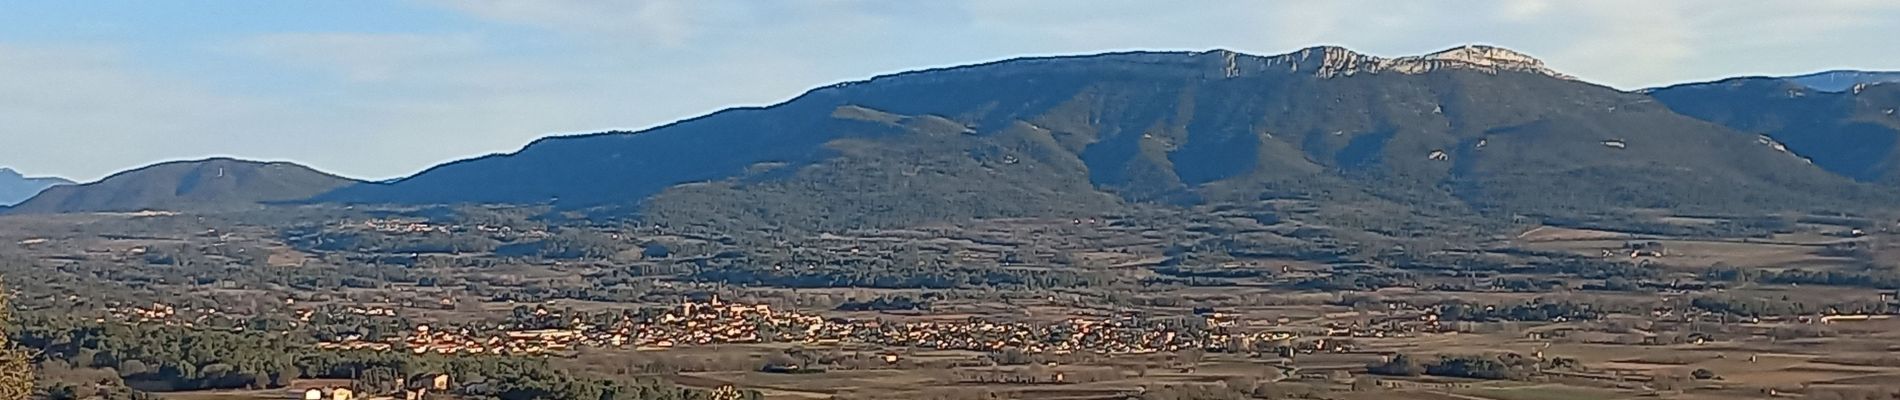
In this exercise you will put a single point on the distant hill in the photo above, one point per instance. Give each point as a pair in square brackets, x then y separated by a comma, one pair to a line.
[202, 185]
[1852, 133]
[1843, 80]
[1469, 129]
[15, 188]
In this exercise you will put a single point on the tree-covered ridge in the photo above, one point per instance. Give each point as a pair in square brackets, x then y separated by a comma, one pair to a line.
[1853, 133]
[199, 185]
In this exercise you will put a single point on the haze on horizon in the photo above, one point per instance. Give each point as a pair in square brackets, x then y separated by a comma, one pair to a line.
[380, 89]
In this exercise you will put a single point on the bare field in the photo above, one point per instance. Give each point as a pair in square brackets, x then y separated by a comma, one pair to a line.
[1703, 254]
[1551, 233]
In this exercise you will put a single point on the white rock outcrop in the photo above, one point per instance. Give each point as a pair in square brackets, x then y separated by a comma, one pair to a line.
[1332, 62]
[1322, 62]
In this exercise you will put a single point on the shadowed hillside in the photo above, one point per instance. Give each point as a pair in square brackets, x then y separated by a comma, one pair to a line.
[1840, 81]
[1851, 133]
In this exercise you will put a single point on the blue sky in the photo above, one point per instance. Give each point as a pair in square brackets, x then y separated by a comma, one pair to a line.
[380, 89]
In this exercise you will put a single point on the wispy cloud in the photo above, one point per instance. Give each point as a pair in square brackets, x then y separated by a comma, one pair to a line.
[63, 105]
[659, 22]
[364, 57]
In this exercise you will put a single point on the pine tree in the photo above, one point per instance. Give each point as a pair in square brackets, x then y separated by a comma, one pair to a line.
[16, 371]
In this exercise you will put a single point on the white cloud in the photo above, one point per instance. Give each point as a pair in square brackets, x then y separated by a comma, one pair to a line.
[1524, 10]
[1625, 39]
[661, 22]
[363, 57]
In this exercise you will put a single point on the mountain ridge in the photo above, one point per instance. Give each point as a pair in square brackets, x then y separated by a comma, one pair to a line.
[1831, 81]
[211, 184]
[1468, 131]
[16, 187]
[1471, 128]
[1325, 61]
[1454, 56]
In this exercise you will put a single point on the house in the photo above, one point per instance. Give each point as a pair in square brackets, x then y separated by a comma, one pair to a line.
[1645, 249]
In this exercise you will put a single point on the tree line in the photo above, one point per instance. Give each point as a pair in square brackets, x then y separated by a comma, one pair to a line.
[174, 358]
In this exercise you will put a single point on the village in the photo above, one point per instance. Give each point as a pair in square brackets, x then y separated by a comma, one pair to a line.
[714, 322]
[543, 331]
[418, 226]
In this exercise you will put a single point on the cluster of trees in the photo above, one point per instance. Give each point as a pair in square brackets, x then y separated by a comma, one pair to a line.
[1503, 284]
[1266, 387]
[1370, 280]
[524, 379]
[1721, 226]
[1317, 249]
[1508, 366]
[1785, 306]
[568, 244]
[167, 358]
[1545, 263]
[1454, 310]
[886, 303]
[1877, 279]
[164, 357]
[16, 371]
[1843, 393]
[1484, 367]
[376, 242]
[484, 377]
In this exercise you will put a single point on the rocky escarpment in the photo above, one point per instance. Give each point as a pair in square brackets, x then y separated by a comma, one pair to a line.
[1324, 62]
[1334, 62]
